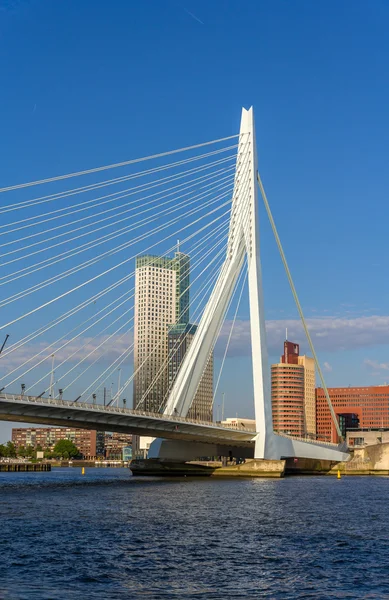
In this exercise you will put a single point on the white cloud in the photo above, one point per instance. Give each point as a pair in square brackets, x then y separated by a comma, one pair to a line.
[329, 334]
[327, 367]
[103, 347]
[376, 366]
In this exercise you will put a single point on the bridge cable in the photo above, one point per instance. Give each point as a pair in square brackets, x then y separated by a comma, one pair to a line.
[230, 334]
[97, 296]
[235, 192]
[107, 199]
[93, 186]
[201, 179]
[89, 340]
[108, 237]
[111, 252]
[299, 308]
[165, 363]
[242, 222]
[114, 165]
[131, 378]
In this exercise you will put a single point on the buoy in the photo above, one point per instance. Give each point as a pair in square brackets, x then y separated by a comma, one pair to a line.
[83, 471]
[339, 474]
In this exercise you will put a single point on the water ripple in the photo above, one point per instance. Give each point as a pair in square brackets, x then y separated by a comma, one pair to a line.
[108, 535]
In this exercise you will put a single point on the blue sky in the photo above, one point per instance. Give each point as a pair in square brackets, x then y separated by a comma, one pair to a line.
[91, 83]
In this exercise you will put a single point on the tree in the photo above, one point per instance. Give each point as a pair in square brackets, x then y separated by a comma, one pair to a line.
[2, 450]
[30, 452]
[65, 449]
[10, 450]
[21, 451]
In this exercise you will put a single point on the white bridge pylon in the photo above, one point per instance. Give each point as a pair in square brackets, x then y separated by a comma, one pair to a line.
[243, 241]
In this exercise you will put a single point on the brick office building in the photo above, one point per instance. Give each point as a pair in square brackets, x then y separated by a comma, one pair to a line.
[364, 407]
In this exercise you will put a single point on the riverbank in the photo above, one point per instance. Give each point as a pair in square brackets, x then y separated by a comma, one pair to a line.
[113, 464]
[23, 467]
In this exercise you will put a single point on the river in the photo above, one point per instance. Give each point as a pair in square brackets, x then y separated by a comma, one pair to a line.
[107, 535]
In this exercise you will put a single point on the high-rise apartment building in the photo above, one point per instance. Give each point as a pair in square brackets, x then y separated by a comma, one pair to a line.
[180, 337]
[363, 407]
[293, 393]
[161, 299]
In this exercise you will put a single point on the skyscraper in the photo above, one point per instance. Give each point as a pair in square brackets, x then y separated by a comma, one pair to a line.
[180, 337]
[161, 299]
[309, 395]
[293, 393]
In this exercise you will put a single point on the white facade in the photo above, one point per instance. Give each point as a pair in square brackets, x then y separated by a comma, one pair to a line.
[155, 310]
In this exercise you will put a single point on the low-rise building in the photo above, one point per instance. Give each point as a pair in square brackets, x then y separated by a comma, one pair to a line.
[355, 408]
[89, 443]
[114, 444]
[359, 438]
[127, 453]
[238, 423]
[142, 450]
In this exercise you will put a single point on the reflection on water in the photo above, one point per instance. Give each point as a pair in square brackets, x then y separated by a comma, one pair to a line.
[107, 535]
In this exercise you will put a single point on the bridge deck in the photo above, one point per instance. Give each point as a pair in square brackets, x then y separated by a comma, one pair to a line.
[63, 413]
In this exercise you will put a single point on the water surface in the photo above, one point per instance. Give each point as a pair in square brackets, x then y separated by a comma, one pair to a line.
[107, 535]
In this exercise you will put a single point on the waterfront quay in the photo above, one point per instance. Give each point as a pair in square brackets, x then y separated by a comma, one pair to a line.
[23, 467]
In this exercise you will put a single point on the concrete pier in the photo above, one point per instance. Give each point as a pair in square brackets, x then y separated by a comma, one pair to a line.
[167, 468]
[371, 460]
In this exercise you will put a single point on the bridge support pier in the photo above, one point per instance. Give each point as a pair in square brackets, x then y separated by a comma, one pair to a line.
[170, 468]
[277, 447]
[182, 451]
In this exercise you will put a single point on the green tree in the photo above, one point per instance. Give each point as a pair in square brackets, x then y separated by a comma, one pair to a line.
[2, 450]
[65, 449]
[21, 451]
[10, 450]
[30, 452]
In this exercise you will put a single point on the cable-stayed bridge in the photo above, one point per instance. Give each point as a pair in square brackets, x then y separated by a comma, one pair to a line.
[72, 302]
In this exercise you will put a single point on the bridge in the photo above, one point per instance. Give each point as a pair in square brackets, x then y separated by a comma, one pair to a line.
[204, 438]
[213, 208]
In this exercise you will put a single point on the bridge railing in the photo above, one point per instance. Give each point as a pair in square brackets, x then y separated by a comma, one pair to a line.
[117, 409]
[302, 439]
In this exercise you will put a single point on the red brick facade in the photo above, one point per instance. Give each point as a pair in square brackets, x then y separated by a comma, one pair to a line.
[370, 405]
